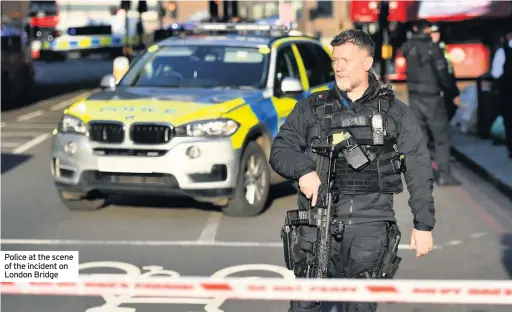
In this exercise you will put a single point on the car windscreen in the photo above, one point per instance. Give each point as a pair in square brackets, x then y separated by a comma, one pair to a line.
[199, 67]
[42, 8]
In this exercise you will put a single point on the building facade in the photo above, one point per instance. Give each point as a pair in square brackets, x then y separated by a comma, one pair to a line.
[324, 19]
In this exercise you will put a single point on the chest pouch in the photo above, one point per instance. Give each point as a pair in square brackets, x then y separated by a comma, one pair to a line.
[355, 156]
[398, 161]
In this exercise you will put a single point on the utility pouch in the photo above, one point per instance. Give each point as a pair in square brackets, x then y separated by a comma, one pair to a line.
[398, 161]
[355, 157]
[289, 237]
[391, 261]
[389, 269]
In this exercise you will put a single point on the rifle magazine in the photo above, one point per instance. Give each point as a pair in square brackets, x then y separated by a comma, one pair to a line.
[298, 217]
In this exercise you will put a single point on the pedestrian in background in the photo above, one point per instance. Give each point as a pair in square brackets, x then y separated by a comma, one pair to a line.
[502, 71]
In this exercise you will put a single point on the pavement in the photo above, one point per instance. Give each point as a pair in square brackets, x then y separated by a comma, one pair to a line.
[488, 160]
[485, 158]
[175, 236]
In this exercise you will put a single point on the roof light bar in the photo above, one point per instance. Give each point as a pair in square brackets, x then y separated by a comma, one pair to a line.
[240, 27]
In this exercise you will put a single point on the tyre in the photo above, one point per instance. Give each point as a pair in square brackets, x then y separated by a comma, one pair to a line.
[253, 184]
[73, 202]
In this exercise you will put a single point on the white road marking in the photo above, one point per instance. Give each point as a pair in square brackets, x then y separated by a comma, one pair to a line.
[67, 103]
[10, 144]
[30, 115]
[13, 241]
[136, 243]
[454, 242]
[211, 227]
[478, 235]
[25, 126]
[28, 145]
[3, 124]
[20, 134]
[112, 303]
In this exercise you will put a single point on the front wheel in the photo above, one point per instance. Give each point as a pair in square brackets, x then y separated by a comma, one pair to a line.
[253, 184]
[75, 202]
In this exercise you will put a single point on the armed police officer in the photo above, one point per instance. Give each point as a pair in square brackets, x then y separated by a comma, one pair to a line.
[359, 110]
[429, 82]
[452, 101]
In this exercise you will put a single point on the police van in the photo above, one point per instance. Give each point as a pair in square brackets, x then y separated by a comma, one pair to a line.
[74, 28]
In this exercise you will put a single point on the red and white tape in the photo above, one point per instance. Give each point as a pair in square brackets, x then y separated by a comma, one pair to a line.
[419, 291]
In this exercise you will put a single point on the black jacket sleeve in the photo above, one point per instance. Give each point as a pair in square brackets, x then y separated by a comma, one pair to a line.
[440, 64]
[418, 175]
[287, 156]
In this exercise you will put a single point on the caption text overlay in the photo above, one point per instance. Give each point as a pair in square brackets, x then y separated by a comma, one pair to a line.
[39, 266]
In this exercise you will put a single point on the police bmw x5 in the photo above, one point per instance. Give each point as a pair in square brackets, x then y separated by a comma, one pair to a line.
[193, 115]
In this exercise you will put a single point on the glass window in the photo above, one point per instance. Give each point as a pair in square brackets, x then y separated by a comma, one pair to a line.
[48, 8]
[199, 67]
[317, 63]
[325, 8]
[324, 64]
[286, 66]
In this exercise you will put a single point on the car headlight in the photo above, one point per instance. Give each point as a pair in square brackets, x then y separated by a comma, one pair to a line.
[71, 124]
[208, 128]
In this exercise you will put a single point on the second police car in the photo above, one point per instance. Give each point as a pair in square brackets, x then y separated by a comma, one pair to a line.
[191, 116]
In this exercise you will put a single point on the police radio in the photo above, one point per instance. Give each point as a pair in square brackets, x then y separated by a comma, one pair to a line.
[378, 128]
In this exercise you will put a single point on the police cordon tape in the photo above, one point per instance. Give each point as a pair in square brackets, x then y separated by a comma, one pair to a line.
[362, 290]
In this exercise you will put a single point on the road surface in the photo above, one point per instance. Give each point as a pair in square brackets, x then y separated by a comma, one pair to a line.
[473, 236]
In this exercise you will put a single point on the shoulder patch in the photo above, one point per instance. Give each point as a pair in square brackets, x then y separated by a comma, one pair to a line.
[318, 98]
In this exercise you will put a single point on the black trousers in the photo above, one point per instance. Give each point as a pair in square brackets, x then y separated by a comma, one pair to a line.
[430, 111]
[361, 249]
[451, 109]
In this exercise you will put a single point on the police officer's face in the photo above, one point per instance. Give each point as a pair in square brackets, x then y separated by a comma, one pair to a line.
[435, 36]
[351, 65]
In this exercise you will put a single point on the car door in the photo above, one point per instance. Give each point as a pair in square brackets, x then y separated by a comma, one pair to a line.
[286, 65]
[317, 64]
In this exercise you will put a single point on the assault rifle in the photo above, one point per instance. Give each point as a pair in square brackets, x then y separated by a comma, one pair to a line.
[321, 216]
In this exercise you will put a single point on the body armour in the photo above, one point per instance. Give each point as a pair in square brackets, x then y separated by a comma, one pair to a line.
[382, 172]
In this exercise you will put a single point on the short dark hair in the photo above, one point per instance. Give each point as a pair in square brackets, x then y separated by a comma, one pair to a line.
[356, 37]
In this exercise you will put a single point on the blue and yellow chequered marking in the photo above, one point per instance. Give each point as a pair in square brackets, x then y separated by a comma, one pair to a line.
[87, 42]
[258, 110]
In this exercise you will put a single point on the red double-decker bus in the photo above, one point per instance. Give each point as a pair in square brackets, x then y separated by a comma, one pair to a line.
[471, 30]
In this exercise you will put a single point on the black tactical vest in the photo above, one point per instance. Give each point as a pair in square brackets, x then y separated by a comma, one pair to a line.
[377, 177]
